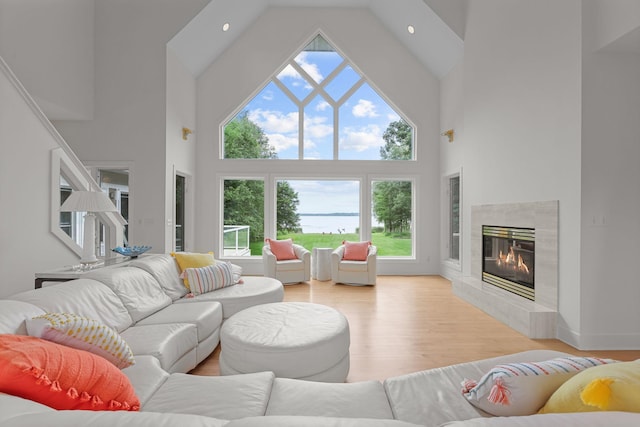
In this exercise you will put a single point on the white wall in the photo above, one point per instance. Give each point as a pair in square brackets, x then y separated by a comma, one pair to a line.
[612, 19]
[49, 44]
[243, 69]
[521, 113]
[130, 110]
[573, 111]
[27, 246]
[181, 154]
[451, 159]
[610, 202]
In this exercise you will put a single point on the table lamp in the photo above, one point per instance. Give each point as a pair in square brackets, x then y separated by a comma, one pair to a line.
[89, 202]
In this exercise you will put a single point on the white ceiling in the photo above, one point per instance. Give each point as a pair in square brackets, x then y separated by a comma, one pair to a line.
[434, 43]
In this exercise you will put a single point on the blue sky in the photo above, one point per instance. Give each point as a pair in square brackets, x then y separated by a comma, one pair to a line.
[344, 196]
[363, 116]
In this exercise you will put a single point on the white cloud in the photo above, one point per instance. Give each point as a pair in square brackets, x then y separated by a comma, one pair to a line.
[311, 69]
[282, 142]
[288, 71]
[392, 117]
[361, 139]
[309, 144]
[322, 106]
[275, 121]
[317, 127]
[281, 128]
[364, 108]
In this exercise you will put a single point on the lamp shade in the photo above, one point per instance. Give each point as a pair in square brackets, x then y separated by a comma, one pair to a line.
[88, 201]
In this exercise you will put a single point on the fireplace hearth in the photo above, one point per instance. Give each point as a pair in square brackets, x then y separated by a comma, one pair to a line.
[508, 259]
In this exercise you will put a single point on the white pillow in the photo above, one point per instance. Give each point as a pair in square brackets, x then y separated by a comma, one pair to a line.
[523, 388]
[84, 334]
[210, 278]
[237, 273]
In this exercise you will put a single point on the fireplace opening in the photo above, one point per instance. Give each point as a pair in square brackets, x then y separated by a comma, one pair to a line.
[508, 259]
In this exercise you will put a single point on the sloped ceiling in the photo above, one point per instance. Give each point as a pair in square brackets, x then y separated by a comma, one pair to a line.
[434, 43]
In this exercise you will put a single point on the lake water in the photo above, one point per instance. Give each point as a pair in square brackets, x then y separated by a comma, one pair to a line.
[329, 224]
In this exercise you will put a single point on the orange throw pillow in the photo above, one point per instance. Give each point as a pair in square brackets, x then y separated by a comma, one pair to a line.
[62, 377]
[282, 249]
[356, 251]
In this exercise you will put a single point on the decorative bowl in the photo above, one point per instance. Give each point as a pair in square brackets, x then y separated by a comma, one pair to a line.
[131, 251]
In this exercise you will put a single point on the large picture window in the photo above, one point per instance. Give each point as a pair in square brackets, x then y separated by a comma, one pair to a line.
[392, 212]
[318, 213]
[243, 231]
[318, 107]
[320, 110]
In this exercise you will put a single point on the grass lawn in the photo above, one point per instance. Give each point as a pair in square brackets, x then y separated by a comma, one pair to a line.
[389, 244]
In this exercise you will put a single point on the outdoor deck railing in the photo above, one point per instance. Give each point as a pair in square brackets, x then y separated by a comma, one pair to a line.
[236, 240]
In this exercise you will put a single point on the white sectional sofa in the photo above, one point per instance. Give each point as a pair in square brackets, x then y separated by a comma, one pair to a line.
[170, 334]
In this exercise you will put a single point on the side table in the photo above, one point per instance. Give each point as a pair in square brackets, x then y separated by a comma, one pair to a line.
[321, 263]
[72, 272]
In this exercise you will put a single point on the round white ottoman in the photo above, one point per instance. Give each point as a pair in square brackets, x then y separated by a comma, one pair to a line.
[292, 339]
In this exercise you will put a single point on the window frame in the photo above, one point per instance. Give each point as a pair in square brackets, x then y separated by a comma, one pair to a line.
[318, 90]
[414, 180]
[447, 233]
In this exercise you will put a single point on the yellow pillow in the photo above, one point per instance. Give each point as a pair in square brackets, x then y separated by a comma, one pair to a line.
[613, 387]
[192, 260]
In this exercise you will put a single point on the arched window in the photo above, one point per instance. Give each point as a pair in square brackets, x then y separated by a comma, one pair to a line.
[318, 107]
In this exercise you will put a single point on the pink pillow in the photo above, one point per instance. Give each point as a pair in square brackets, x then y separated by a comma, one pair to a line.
[282, 249]
[356, 251]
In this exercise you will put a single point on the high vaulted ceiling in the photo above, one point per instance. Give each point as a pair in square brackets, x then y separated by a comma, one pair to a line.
[434, 42]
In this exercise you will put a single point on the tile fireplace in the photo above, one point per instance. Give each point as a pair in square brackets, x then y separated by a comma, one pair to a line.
[514, 266]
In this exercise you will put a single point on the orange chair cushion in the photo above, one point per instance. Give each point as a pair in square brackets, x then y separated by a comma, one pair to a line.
[62, 377]
[356, 251]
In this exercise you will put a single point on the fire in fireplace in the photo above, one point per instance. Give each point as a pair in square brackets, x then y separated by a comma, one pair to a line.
[508, 259]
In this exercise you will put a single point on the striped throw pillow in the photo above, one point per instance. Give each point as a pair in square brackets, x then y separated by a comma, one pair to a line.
[84, 334]
[523, 388]
[210, 278]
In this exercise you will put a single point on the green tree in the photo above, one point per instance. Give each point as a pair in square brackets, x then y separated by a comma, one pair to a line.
[244, 199]
[398, 141]
[392, 199]
[243, 205]
[243, 139]
[287, 218]
[392, 205]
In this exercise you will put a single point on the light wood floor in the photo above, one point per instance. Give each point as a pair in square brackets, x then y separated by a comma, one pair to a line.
[411, 323]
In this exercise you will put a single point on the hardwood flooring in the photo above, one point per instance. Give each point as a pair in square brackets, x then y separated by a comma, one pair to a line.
[411, 323]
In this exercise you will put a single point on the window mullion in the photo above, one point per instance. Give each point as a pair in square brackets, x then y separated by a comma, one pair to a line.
[286, 90]
[351, 91]
[333, 74]
[336, 130]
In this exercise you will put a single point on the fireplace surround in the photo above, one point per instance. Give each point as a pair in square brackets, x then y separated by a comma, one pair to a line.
[533, 318]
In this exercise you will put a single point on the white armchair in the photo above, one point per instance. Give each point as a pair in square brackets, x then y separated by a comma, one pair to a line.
[354, 272]
[288, 271]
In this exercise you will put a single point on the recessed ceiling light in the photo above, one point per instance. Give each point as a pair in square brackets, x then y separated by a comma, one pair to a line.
[225, 26]
[411, 29]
